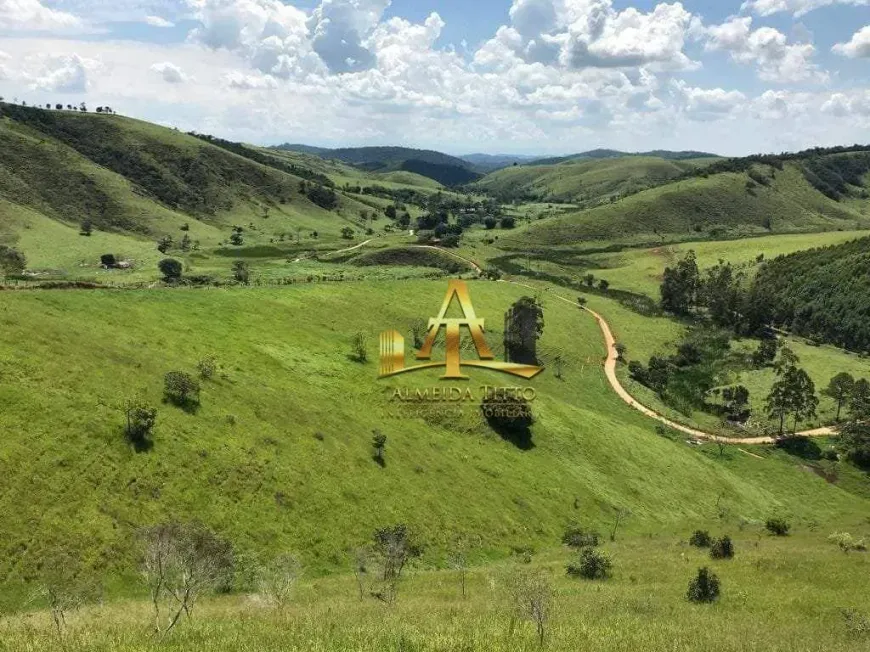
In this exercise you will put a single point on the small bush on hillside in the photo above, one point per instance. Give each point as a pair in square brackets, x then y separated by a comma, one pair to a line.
[577, 537]
[701, 539]
[379, 447]
[241, 272]
[207, 367]
[181, 389]
[108, 261]
[592, 565]
[847, 543]
[722, 548]
[278, 578]
[704, 588]
[778, 527]
[359, 348]
[531, 598]
[170, 268]
[140, 422]
[12, 261]
[856, 624]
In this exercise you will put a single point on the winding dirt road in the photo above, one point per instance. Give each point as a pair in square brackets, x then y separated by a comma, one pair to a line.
[610, 371]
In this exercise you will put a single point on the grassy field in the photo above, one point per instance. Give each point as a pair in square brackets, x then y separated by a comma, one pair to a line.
[586, 182]
[717, 207]
[248, 462]
[787, 595]
[640, 270]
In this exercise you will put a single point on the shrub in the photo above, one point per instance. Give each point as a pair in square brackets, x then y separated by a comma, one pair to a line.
[181, 389]
[592, 565]
[207, 367]
[722, 548]
[577, 537]
[847, 543]
[140, 422]
[108, 260]
[778, 527]
[277, 579]
[241, 272]
[12, 261]
[170, 268]
[704, 588]
[359, 348]
[701, 539]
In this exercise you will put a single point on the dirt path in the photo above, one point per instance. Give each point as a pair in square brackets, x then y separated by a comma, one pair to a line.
[610, 371]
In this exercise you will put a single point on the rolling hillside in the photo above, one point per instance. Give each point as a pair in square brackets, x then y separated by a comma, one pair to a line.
[761, 200]
[443, 168]
[278, 457]
[586, 182]
[601, 154]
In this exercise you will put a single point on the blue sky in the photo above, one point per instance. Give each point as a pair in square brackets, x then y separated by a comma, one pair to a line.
[498, 76]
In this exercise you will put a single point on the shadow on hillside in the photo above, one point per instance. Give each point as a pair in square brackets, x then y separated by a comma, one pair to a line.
[802, 447]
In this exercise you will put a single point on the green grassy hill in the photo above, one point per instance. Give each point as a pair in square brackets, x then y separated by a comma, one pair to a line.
[587, 182]
[279, 455]
[729, 204]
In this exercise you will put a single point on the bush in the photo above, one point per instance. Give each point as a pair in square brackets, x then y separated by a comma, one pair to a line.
[847, 543]
[181, 389]
[108, 261]
[241, 272]
[778, 527]
[359, 348]
[207, 367]
[577, 537]
[701, 539]
[722, 548]
[638, 372]
[170, 268]
[592, 565]
[140, 422]
[12, 261]
[704, 588]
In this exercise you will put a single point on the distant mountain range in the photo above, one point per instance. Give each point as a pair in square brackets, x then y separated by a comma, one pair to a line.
[599, 154]
[446, 169]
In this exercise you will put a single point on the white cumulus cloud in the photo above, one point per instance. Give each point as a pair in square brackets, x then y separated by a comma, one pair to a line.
[768, 49]
[171, 73]
[31, 15]
[67, 73]
[796, 7]
[157, 21]
[858, 47]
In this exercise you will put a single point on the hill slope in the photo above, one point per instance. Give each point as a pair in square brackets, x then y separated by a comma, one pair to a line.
[761, 200]
[279, 455]
[446, 169]
[586, 182]
[600, 154]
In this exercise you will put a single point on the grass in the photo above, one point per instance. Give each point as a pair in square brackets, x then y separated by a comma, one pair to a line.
[640, 270]
[587, 182]
[777, 594]
[249, 464]
[718, 206]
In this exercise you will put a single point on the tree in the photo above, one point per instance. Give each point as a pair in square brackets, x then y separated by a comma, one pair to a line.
[241, 272]
[722, 294]
[855, 443]
[524, 325]
[207, 367]
[86, 228]
[704, 588]
[788, 359]
[589, 280]
[379, 446]
[722, 548]
[840, 389]
[680, 286]
[165, 244]
[766, 352]
[323, 197]
[531, 595]
[185, 242]
[181, 389]
[108, 261]
[12, 261]
[237, 239]
[736, 403]
[792, 394]
[181, 563]
[390, 212]
[58, 107]
[141, 418]
[621, 349]
[459, 562]
[393, 548]
[778, 527]
[278, 579]
[603, 285]
[508, 222]
[347, 233]
[171, 269]
[859, 402]
[490, 223]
